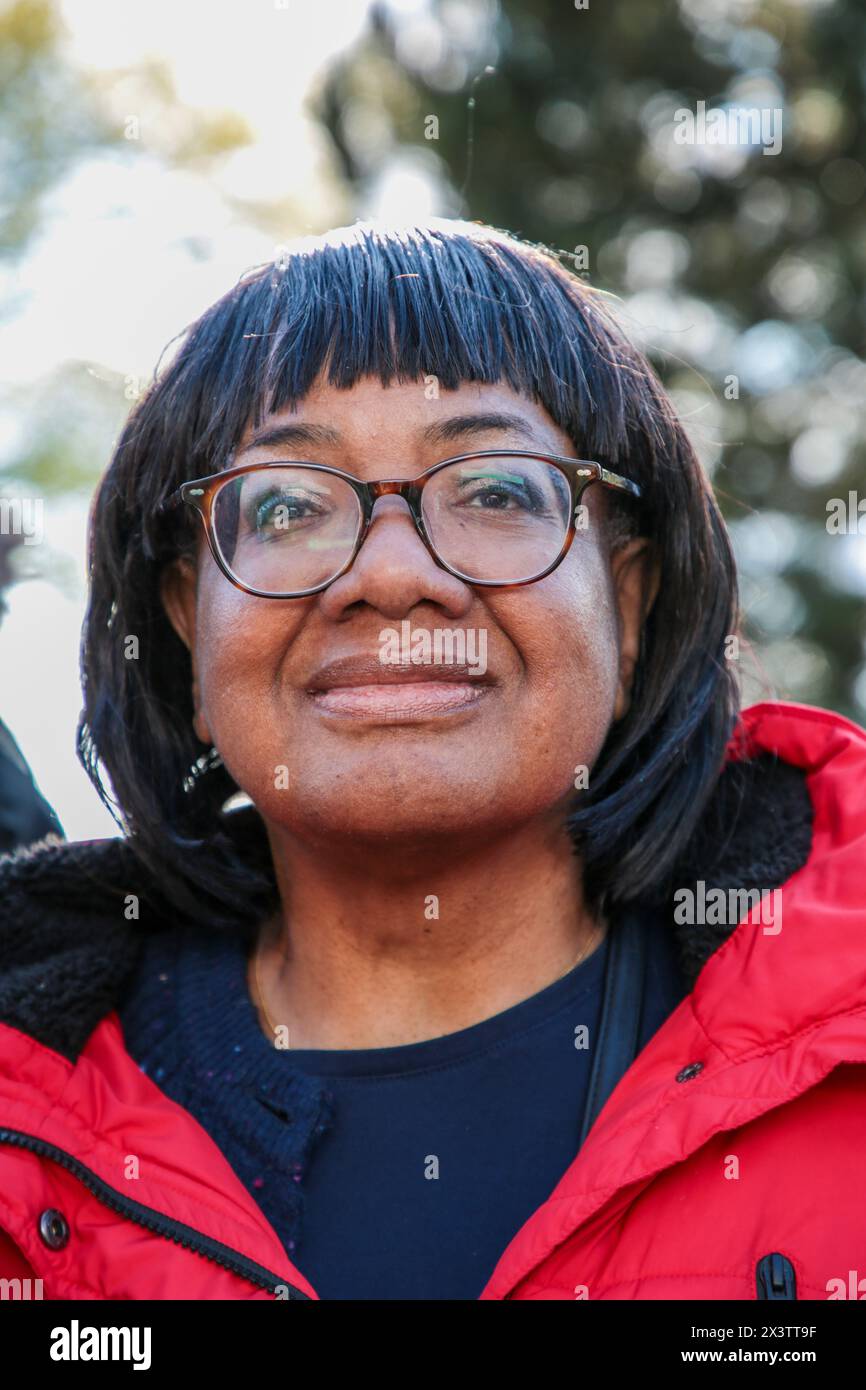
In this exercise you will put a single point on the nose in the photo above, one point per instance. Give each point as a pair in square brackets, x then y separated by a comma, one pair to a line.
[394, 571]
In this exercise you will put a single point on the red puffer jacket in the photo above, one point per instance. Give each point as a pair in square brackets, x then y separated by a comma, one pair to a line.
[726, 1164]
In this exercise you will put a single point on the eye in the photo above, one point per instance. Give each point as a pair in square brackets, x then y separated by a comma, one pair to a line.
[491, 491]
[284, 509]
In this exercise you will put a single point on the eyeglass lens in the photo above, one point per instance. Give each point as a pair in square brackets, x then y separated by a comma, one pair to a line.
[500, 519]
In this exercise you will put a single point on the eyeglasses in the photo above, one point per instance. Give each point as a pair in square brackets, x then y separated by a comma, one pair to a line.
[495, 518]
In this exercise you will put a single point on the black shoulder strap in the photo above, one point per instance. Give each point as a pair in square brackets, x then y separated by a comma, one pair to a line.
[619, 1029]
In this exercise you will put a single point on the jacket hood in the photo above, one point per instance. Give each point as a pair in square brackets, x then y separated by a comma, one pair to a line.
[67, 949]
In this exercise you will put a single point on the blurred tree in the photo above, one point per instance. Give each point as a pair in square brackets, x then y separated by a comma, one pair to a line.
[53, 118]
[741, 273]
[46, 117]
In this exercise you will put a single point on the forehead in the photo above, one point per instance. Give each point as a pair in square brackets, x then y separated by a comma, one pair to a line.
[419, 411]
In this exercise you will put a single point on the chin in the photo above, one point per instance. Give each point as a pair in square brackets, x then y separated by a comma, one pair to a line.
[378, 813]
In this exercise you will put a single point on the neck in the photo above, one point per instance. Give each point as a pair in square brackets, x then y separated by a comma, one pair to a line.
[379, 951]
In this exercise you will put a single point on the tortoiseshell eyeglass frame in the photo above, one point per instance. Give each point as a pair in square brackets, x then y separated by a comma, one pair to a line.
[201, 494]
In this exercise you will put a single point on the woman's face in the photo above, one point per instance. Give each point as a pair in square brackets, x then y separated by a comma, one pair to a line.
[326, 757]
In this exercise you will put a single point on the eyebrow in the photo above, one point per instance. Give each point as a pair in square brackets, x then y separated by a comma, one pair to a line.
[441, 432]
[291, 434]
[458, 426]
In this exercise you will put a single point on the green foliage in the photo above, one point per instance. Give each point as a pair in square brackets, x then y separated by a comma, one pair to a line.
[48, 117]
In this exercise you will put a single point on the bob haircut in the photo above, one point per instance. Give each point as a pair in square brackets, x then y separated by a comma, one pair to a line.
[461, 302]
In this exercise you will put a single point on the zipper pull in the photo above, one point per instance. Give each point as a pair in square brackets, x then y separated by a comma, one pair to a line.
[775, 1277]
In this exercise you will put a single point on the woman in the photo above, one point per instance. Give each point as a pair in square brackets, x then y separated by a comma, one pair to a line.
[529, 967]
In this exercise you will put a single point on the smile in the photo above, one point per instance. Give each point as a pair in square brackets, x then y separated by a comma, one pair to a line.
[396, 703]
[359, 687]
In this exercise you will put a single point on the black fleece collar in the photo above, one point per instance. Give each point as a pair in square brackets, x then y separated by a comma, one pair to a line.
[67, 949]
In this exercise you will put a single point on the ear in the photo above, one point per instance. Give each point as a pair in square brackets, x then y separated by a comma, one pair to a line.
[177, 587]
[636, 576]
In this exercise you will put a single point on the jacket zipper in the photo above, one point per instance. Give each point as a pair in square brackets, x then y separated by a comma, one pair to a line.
[775, 1277]
[150, 1220]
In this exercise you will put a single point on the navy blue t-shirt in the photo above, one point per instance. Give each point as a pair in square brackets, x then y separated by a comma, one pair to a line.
[388, 1173]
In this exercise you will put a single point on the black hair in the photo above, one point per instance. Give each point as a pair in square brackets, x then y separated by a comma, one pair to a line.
[459, 302]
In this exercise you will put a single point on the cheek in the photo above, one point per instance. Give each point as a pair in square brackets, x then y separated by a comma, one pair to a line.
[241, 643]
[566, 632]
[591, 649]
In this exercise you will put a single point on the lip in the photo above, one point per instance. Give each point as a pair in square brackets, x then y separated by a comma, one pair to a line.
[363, 688]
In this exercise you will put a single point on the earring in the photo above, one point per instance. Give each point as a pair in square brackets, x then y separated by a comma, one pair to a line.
[206, 763]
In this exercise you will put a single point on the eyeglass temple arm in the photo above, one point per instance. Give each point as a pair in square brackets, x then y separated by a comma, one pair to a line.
[174, 500]
[615, 480]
